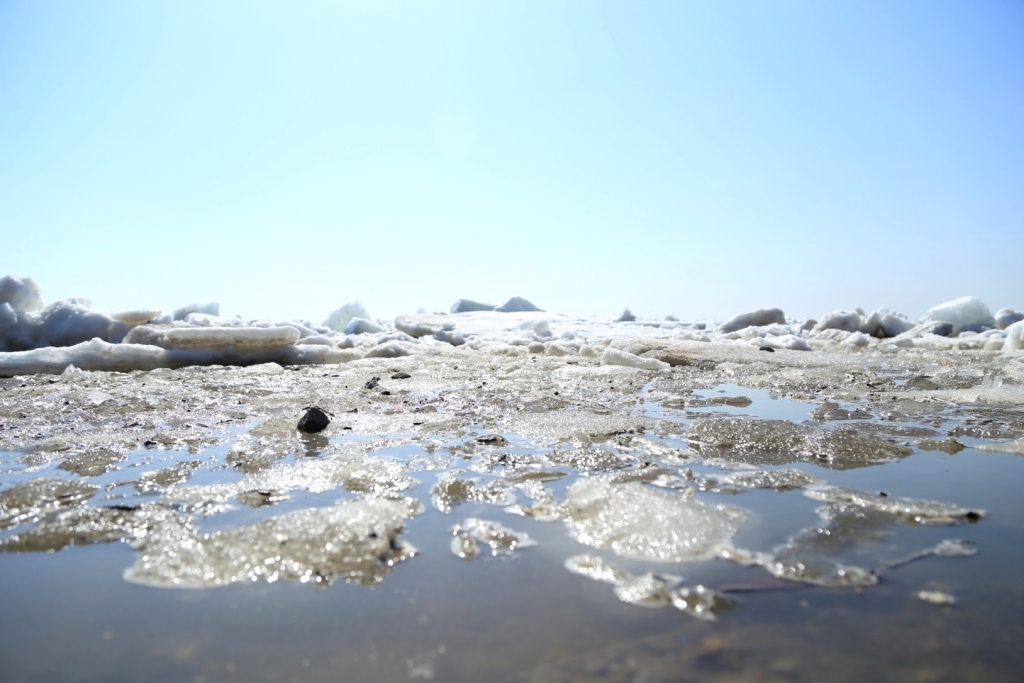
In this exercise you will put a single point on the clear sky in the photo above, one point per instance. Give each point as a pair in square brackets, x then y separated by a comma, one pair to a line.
[695, 158]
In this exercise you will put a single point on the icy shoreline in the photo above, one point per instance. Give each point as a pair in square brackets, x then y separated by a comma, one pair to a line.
[37, 339]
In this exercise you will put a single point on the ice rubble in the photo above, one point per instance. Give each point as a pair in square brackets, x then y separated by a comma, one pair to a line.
[967, 312]
[642, 523]
[1006, 317]
[648, 590]
[339, 319]
[55, 334]
[615, 357]
[501, 540]
[355, 540]
[779, 442]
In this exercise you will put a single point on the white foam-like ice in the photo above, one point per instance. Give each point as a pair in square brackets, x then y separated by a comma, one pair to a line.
[965, 312]
[339, 319]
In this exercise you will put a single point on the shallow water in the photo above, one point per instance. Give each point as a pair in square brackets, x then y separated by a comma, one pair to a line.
[515, 613]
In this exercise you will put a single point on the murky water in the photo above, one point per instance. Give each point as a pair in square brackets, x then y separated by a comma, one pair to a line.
[179, 478]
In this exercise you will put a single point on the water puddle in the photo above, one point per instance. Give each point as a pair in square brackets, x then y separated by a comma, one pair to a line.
[552, 523]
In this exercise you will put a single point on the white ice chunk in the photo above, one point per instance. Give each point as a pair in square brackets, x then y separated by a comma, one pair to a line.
[541, 328]
[616, 357]
[848, 321]
[449, 337]
[190, 337]
[338, 320]
[871, 324]
[137, 317]
[208, 320]
[893, 325]
[362, 326]
[231, 336]
[304, 329]
[1006, 317]
[22, 293]
[317, 340]
[67, 324]
[212, 308]
[857, 340]
[758, 318]
[643, 523]
[965, 312]
[391, 349]
[1014, 338]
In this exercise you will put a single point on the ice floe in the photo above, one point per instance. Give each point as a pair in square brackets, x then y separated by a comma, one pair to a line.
[967, 312]
[355, 541]
[501, 540]
[639, 522]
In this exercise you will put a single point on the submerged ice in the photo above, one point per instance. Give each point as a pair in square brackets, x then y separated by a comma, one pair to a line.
[601, 432]
[639, 522]
[354, 541]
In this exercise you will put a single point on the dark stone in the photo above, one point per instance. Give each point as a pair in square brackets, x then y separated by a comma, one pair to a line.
[492, 440]
[766, 348]
[374, 381]
[315, 420]
[518, 304]
[401, 375]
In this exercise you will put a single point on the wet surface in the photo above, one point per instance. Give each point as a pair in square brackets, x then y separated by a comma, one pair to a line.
[476, 517]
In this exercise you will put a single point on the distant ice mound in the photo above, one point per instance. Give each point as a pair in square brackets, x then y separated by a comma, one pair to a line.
[965, 313]
[758, 318]
[1006, 317]
[212, 308]
[626, 316]
[21, 294]
[518, 304]
[470, 306]
[338, 320]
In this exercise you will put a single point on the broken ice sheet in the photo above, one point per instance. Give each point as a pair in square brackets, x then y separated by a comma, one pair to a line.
[640, 522]
[500, 539]
[355, 541]
[699, 601]
[815, 555]
[351, 469]
[646, 590]
[950, 547]
[451, 491]
[650, 589]
[908, 509]
[856, 524]
[780, 480]
[89, 525]
[597, 568]
[779, 442]
[28, 500]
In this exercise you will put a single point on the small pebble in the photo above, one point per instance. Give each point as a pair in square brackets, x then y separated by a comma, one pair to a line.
[315, 420]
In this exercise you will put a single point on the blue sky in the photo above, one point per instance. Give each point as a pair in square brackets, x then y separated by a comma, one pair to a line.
[691, 158]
